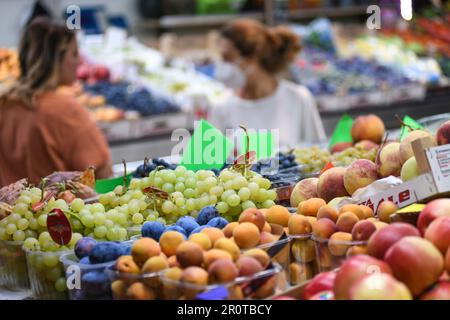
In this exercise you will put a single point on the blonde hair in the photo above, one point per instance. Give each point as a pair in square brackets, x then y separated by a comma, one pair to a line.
[41, 51]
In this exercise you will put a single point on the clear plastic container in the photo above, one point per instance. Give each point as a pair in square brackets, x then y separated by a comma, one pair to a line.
[128, 286]
[13, 266]
[261, 285]
[46, 275]
[331, 253]
[94, 284]
[303, 265]
[133, 231]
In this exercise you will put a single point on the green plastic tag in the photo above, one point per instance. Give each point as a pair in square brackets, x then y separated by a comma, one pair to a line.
[208, 148]
[261, 141]
[411, 123]
[342, 132]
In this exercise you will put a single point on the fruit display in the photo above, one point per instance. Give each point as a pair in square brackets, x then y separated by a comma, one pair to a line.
[173, 263]
[148, 166]
[312, 159]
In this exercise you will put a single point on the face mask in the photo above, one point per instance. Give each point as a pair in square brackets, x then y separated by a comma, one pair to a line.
[231, 75]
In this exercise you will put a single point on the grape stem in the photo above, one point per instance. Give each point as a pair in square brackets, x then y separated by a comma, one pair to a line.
[407, 126]
[124, 175]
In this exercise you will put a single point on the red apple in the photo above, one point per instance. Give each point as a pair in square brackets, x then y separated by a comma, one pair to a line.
[443, 133]
[434, 209]
[322, 282]
[441, 291]
[383, 239]
[379, 286]
[352, 270]
[438, 232]
[416, 262]
[324, 295]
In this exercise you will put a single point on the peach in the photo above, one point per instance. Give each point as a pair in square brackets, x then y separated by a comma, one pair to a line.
[356, 209]
[267, 237]
[353, 269]
[214, 254]
[299, 225]
[341, 146]
[228, 230]
[267, 228]
[329, 212]
[388, 160]
[299, 273]
[229, 246]
[139, 291]
[380, 242]
[246, 235]
[173, 261]
[362, 230]
[259, 255]
[355, 250]
[385, 209]
[278, 215]
[304, 190]
[201, 239]
[438, 233]
[360, 174]
[440, 291]
[366, 145]
[303, 250]
[189, 254]
[170, 241]
[311, 206]
[412, 256]
[119, 290]
[126, 264]
[433, 209]
[222, 271]
[410, 169]
[324, 258]
[443, 133]
[368, 212]
[386, 288]
[144, 249]
[380, 225]
[331, 184]
[339, 243]
[406, 150]
[248, 266]
[254, 216]
[346, 221]
[368, 127]
[214, 234]
[324, 228]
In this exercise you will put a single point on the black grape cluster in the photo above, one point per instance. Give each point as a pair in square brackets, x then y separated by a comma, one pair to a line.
[285, 161]
[144, 169]
[124, 96]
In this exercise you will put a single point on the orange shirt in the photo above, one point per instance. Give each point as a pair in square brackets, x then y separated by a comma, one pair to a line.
[56, 135]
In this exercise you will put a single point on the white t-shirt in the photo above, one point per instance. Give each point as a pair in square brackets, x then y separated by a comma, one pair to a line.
[291, 109]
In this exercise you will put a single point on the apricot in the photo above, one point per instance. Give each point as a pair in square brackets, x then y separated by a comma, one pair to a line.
[228, 230]
[248, 266]
[311, 206]
[299, 224]
[356, 209]
[246, 235]
[324, 258]
[126, 264]
[173, 261]
[339, 243]
[329, 212]
[170, 241]
[222, 271]
[143, 249]
[266, 238]
[368, 212]
[139, 291]
[201, 239]
[312, 220]
[278, 215]
[213, 233]
[267, 289]
[267, 228]
[324, 228]
[303, 250]
[385, 209]
[189, 254]
[215, 254]
[299, 273]
[355, 250]
[229, 246]
[259, 255]
[254, 216]
[346, 221]
[119, 290]
[194, 276]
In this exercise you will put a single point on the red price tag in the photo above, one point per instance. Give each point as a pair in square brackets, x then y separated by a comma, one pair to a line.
[327, 167]
[59, 227]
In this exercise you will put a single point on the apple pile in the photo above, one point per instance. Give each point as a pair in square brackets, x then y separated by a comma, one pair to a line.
[403, 263]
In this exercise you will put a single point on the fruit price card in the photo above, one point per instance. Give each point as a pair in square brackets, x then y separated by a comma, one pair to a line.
[439, 160]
